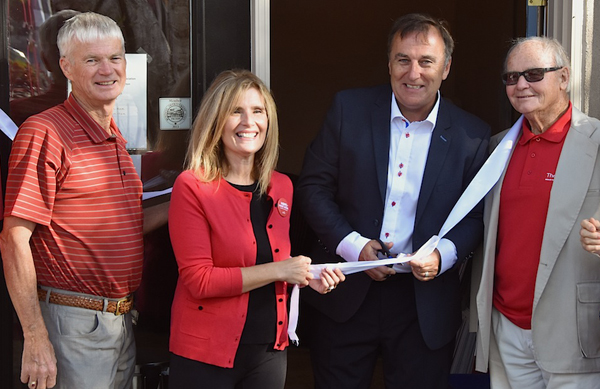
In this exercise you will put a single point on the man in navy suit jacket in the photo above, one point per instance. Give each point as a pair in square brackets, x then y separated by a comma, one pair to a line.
[389, 164]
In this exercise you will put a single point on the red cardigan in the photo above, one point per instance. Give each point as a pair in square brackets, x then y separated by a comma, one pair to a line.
[212, 237]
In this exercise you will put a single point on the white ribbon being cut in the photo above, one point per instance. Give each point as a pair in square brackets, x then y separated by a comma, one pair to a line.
[481, 184]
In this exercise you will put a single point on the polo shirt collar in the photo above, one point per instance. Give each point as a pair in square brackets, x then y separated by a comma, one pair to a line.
[556, 133]
[88, 124]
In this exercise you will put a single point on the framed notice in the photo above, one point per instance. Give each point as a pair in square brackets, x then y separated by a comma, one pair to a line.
[175, 113]
[130, 111]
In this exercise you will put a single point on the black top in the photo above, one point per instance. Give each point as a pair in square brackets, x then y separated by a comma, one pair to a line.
[261, 320]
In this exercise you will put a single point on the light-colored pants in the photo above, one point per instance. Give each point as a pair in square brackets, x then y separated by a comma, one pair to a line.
[94, 350]
[513, 366]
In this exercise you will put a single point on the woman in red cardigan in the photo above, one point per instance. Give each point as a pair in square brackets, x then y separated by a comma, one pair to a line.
[229, 225]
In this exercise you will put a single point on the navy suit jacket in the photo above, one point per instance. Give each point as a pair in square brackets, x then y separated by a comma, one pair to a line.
[342, 189]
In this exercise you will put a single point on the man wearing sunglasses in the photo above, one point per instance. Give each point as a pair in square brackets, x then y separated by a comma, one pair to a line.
[539, 291]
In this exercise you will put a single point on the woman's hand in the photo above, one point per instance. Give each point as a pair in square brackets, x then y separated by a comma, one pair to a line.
[295, 270]
[328, 281]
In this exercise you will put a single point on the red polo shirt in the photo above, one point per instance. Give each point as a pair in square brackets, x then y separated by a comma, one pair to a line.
[80, 187]
[523, 208]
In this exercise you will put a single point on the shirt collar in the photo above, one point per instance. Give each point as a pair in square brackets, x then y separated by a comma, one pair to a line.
[556, 133]
[89, 125]
[431, 118]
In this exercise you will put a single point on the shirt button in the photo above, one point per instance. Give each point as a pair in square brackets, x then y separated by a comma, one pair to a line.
[532, 155]
[529, 172]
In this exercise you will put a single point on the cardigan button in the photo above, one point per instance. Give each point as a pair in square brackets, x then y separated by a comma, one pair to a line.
[270, 226]
[276, 250]
[280, 300]
[280, 323]
[200, 308]
[278, 344]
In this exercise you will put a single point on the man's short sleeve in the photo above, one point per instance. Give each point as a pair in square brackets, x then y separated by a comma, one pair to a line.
[34, 164]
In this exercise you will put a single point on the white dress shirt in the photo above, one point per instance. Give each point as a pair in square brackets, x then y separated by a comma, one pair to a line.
[409, 147]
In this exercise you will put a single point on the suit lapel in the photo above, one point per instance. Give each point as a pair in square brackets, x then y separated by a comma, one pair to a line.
[567, 194]
[440, 144]
[380, 130]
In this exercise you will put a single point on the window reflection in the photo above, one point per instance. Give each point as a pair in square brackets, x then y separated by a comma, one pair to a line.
[158, 28]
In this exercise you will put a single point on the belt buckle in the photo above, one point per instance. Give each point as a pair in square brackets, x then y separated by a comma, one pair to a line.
[117, 310]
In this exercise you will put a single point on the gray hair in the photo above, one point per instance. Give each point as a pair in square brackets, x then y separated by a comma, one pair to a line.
[87, 27]
[549, 45]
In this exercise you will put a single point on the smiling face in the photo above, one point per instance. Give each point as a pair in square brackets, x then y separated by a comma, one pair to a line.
[417, 67]
[542, 101]
[246, 127]
[97, 72]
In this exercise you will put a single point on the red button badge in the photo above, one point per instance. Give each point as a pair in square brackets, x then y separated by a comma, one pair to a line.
[283, 207]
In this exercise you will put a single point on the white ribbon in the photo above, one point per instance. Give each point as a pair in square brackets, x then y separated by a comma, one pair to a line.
[7, 126]
[481, 184]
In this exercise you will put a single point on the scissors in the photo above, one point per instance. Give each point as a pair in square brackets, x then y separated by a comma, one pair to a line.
[385, 251]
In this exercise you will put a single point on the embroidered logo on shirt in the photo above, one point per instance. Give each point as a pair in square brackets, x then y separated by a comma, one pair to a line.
[549, 177]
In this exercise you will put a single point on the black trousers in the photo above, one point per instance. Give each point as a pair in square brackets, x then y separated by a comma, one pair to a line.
[344, 355]
[254, 367]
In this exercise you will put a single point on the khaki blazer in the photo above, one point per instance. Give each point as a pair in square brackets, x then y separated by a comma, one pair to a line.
[566, 306]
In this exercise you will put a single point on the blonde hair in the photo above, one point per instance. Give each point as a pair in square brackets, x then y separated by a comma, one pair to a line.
[205, 154]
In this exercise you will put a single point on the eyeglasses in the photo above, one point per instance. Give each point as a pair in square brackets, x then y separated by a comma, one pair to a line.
[531, 75]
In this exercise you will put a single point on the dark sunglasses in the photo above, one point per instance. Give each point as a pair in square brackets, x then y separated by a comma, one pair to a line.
[531, 75]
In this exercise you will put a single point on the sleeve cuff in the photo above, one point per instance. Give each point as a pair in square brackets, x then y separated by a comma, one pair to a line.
[448, 255]
[351, 246]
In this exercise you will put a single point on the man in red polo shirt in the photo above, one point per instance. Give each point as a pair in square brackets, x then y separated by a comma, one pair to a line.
[72, 239]
[539, 293]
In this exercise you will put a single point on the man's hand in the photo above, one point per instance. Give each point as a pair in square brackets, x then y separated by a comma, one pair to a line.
[590, 235]
[425, 269]
[369, 253]
[38, 367]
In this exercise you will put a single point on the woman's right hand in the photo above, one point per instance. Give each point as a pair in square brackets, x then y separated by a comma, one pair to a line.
[295, 270]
